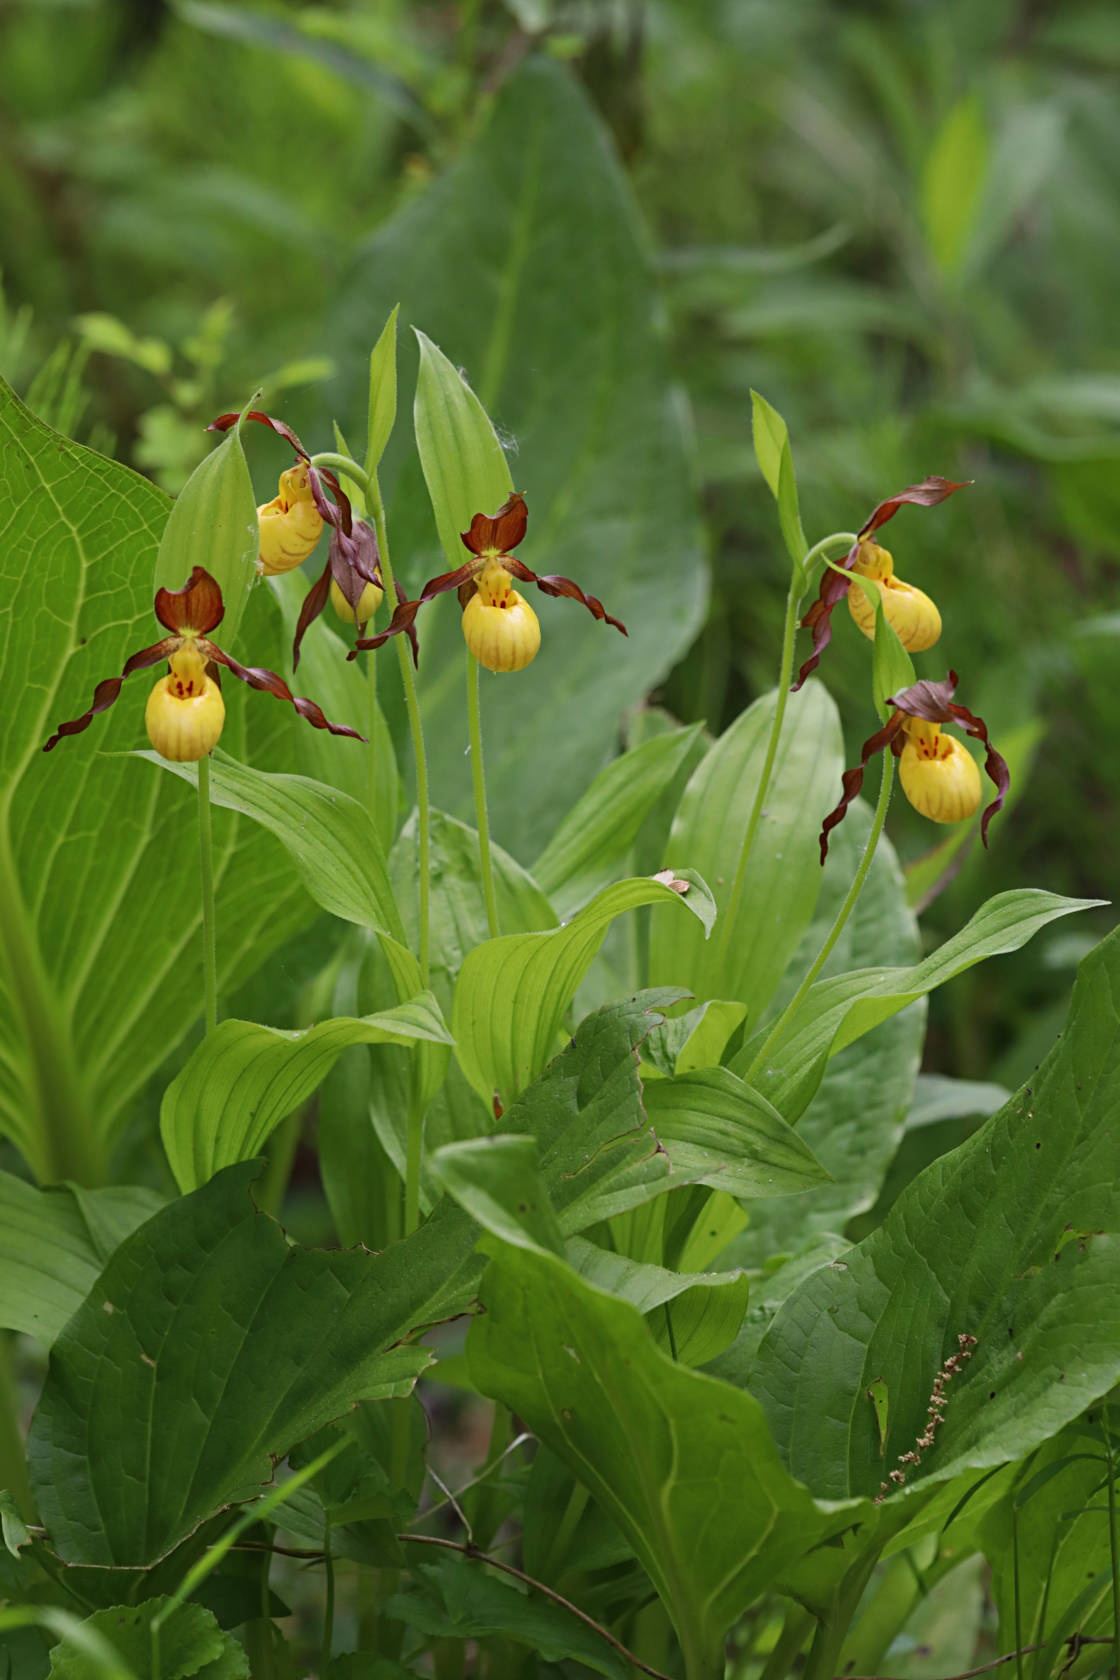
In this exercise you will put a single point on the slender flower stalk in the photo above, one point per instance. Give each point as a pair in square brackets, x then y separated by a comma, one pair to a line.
[206, 870]
[474, 716]
[793, 608]
[371, 489]
[838, 925]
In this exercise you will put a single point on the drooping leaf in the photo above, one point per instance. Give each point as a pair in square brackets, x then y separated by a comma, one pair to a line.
[512, 992]
[244, 1078]
[557, 332]
[836, 1012]
[331, 838]
[979, 1245]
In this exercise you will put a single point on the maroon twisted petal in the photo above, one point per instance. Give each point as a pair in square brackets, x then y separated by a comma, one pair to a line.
[853, 779]
[270, 683]
[106, 692]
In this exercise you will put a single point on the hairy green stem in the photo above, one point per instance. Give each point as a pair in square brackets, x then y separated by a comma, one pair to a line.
[206, 870]
[413, 1152]
[789, 636]
[474, 717]
[376, 507]
[838, 925]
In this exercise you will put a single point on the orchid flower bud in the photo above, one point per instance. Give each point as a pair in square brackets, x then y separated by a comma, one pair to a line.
[185, 710]
[939, 775]
[371, 599]
[290, 525]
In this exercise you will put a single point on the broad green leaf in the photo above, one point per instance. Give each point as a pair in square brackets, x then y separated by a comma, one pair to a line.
[838, 1011]
[244, 1078]
[746, 958]
[1013, 1239]
[953, 182]
[213, 524]
[382, 392]
[512, 992]
[592, 842]
[560, 335]
[855, 1121]
[697, 1039]
[206, 1349]
[458, 1601]
[100, 964]
[53, 1244]
[683, 1464]
[191, 1644]
[330, 837]
[465, 469]
[497, 1181]
[938, 1098]
[724, 1135]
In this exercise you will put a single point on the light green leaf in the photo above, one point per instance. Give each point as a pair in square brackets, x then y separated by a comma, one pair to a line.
[559, 331]
[593, 840]
[771, 435]
[53, 1244]
[783, 876]
[244, 1078]
[692, 1316]
[496, 1179]
[979, 1245]
[892, 669]
[720, 1133]
[331, 838]
[683, 1464]
[953, 182]
[836, 1012]
[512, 992]
[463, 462]
[382, 392]
[213, 524]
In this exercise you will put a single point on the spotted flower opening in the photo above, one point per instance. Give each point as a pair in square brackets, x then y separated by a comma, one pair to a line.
[185, 710]
[499, 625]
[939, 776]
[915, 619]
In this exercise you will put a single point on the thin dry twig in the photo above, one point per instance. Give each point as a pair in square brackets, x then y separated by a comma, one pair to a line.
[1075, 1642]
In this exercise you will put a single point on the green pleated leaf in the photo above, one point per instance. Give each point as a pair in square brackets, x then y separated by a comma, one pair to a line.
[838, 1011]
[745, 960]
[53, 1244]
[330, 837]
[722, 1134]
[1013, 1239]
[591, 844]
[100, 913]
[244, 1078]
[213, 524]
[463, 462]
[684, 1465]
[526, 262]
[512, 992]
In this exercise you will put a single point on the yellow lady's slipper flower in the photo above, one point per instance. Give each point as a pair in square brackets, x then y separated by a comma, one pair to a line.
[910, 613]
[185, 710]
[368, 602]
[907, 609]
[939, 776]
[502, 630]
[290, 525]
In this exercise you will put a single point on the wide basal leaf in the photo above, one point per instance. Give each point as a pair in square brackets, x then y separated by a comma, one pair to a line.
[244, 1078]
[208, 1347]
[748, 955]
[100, 965]
[1014, 1239]
[836, 1012]
[53, 1244]
[685, 1465]
[525, 264]
[512, 992]
[332, 840]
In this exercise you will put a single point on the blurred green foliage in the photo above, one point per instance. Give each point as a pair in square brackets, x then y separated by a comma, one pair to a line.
[898, 221]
